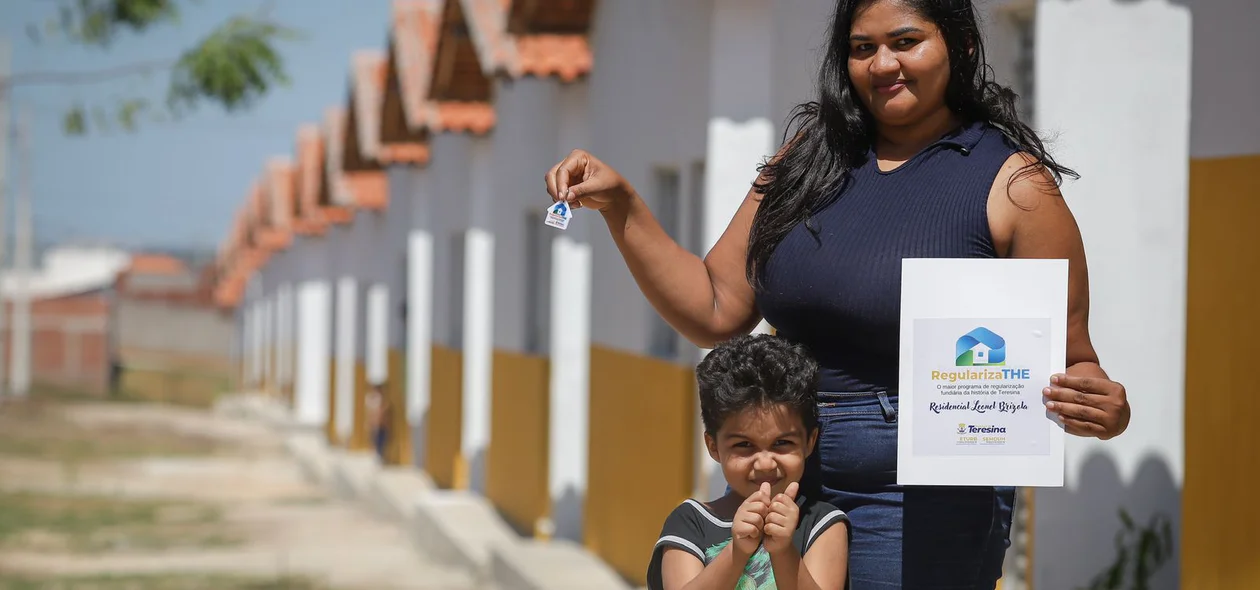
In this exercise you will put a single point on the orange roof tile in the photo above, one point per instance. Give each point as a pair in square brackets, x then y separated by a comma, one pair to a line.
[566, 56]
[368, 96]
[367, 93]
[337, 214]
[416, 30]
[156, 264]
[309, 176]
[279, 192]
[334, 145]
[477, 118]
[370, 189]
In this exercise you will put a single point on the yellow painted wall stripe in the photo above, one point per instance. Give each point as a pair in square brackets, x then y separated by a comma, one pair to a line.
[1218, 540]
[636, 476]
[444, 426]
[516, 462]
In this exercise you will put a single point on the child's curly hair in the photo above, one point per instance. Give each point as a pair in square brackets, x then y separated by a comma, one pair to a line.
[756, 370]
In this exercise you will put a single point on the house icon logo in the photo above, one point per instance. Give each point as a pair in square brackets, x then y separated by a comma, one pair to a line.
[980, 348]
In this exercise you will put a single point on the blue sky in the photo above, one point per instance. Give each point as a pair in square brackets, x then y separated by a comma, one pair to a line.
[174, 184]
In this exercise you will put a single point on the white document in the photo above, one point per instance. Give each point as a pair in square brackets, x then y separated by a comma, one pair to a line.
[979, 341]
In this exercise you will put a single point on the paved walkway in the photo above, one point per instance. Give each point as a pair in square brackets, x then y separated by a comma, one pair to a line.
[280, 524]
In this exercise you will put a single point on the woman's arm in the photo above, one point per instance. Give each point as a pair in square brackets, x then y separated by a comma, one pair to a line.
[707, 300]
[1033, 221]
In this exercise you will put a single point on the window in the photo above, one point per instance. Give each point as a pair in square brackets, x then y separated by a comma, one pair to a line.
[667, 185]
[679, 207]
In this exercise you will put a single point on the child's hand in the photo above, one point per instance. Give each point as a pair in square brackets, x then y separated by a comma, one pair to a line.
[749, 521]
[781, 520]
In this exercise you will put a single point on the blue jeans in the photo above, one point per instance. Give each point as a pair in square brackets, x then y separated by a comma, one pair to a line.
[939, 538]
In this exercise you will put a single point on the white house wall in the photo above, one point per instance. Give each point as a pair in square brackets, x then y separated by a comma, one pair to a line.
[648, 100]
[347, 326]
[314, 332]
[527, 122]
[1134, 224]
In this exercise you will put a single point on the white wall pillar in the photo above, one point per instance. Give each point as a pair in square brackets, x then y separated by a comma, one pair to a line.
[569, 384]
[257, 342]
[314, 329]
[246, 335]
[347, 303]
[419, 335]
[478, 352]
[269, 339]
[286, 300]
[1132, 150]
[376, 353]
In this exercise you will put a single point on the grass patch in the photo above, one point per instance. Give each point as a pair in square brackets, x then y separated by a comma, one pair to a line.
[160, 582]
[89, 524]
[39, 429]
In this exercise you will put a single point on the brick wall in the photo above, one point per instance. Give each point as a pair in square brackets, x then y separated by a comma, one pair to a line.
[70, 344]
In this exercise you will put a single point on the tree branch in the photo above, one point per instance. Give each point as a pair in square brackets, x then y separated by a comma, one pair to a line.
[85, 77]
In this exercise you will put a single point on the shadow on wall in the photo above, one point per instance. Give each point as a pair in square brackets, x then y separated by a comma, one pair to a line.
[477, 472]
[418, 433]
[566, 515]
[1075, 528]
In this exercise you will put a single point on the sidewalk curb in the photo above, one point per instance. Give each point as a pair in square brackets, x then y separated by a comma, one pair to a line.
[458, 527]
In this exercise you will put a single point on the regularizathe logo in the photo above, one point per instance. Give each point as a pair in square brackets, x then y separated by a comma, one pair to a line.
[980, 347]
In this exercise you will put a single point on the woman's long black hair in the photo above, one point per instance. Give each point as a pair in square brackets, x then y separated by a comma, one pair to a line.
[833, 135]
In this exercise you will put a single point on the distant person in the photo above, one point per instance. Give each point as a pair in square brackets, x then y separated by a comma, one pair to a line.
[378, 419]
[910, 150]
[760, 423]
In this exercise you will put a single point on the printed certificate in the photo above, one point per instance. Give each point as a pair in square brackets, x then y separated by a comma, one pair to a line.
[979, 341]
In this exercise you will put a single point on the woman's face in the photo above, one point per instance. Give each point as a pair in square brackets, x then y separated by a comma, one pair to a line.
[898, 62]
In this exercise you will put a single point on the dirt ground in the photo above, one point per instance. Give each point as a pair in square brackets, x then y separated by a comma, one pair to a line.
[123, 496]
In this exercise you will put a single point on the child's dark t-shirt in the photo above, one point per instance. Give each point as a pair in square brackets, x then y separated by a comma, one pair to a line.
[693, 528]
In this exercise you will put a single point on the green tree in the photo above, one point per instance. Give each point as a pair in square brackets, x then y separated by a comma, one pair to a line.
[232, 67]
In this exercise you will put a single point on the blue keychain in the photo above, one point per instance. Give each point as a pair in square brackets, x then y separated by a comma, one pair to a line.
[558, 215]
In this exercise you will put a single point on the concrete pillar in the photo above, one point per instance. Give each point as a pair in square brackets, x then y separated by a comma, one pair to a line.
[478, 325]
[285, 310]
[377, 350]
[269, 342]
[246, 334]
[1131, 146]
[570, 383]
[346, 334]
[419, 334]
[258, 343]
[314, 329]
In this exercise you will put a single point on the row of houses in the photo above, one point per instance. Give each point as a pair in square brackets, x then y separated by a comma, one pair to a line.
[401, 245]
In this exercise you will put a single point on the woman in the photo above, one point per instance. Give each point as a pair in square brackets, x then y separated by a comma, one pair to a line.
[909, 151]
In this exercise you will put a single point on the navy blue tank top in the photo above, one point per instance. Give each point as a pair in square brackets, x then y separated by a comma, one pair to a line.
[839, 292]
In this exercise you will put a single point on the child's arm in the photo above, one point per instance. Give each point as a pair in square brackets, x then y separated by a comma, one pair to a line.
[685, 571]
[680, 570]
[824, 567]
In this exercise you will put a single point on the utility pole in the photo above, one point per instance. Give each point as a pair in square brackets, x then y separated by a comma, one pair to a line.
[20, 371]
[5, 73]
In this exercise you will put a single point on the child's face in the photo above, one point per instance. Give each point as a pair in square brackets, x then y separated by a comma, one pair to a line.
[762, 445]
